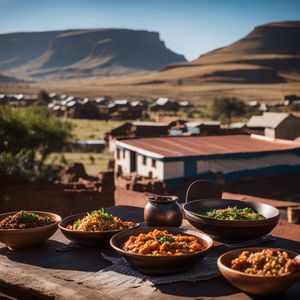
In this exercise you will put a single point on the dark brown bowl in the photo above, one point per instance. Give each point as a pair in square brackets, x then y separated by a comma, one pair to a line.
[86, 238]
[24, 238]
[253, 284]
[160, 265]
[231, 230]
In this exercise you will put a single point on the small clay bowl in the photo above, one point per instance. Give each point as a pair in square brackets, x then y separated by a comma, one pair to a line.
[24, 238]
[254, 284]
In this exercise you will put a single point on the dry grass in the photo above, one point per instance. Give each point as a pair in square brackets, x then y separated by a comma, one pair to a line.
[84, 129]
[93, 162]
[87, 129]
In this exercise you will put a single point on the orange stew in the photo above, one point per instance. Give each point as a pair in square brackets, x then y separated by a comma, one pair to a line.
[162, 243]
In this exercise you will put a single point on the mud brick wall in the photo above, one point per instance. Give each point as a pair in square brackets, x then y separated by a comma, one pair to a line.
[64, 199]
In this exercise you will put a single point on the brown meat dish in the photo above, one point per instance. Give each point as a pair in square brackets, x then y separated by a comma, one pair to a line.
[163, 243]
[24, 220]
[268, 262]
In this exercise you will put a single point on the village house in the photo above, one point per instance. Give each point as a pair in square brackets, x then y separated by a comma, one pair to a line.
[173, 160]
[234, 128]
[101, 101]
[19, 100]
[57, 109]
[81, 109]
[185, 104]
[275, 125]
[134, 130]
[176, 125]
[4, 99]
[143, 104]
[123, 110]
[290, 99]
[203, 127]
[87, 146]
[165, 104]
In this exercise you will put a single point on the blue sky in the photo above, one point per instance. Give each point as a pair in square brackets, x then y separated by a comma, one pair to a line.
[189, 27]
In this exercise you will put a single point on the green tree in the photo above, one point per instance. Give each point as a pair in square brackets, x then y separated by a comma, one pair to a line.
[227, 108]
[29, 135]
[43, 95]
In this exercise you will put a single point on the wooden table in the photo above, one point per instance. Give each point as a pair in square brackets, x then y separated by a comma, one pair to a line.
[43, 273]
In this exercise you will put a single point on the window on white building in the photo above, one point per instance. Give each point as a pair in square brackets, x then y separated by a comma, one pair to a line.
[123, 153]
[118, 153]
[153, 163]
[144, 160]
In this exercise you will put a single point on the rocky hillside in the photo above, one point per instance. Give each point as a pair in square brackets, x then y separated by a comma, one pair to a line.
[83, 53]
[268, 54]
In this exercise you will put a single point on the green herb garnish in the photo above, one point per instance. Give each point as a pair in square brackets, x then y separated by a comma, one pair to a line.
[234, 213]
[77, 223]
[102, 214]
[25, 216]
[166, 239]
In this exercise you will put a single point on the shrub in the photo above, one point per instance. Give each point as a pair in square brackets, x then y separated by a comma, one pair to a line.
[226, 108]
[29, 135]
[43, 95]
[92, 159]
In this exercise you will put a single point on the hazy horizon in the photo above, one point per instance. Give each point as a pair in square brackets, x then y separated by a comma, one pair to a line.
[187, 27]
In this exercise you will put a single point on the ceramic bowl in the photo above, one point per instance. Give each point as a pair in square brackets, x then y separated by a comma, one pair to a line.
[160, 265]
[231, 230]
[253, 284]
[86, 238]
[24, 238]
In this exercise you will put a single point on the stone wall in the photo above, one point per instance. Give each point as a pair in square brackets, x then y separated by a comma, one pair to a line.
[64, 199]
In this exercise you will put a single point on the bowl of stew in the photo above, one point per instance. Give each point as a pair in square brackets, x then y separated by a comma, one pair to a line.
[22, 229]
[161, 250]
[260, 271]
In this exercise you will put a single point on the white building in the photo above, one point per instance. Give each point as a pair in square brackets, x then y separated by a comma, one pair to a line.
[172, 159]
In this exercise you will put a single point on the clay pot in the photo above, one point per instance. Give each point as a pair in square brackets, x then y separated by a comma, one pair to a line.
[163, 211]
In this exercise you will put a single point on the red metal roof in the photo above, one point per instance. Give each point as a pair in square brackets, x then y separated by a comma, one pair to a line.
[207, 145]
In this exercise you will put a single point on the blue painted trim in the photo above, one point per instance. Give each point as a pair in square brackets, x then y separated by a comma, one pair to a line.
[190, 168]
[272, 170]
[236, 175]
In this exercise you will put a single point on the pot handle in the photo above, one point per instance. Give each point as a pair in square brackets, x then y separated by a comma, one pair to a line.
[203, 189]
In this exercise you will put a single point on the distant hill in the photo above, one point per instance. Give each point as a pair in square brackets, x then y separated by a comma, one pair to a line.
[83, 53]
[264, 65]
[7, 79]
[268, 54]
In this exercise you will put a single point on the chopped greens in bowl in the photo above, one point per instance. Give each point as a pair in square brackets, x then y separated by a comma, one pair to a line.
[234, 213]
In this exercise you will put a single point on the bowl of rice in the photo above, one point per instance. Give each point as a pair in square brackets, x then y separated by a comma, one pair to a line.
[93, 228]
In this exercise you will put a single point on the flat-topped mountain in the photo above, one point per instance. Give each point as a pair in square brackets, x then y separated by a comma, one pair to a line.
[83, 53]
